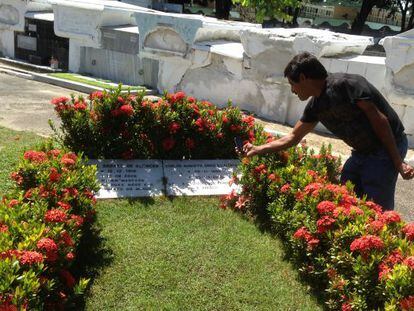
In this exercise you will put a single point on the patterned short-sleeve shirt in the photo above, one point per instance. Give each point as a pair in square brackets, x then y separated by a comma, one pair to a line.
[337, 110]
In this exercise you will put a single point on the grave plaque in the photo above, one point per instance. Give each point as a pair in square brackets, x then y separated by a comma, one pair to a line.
[199, 177]
[129, 178]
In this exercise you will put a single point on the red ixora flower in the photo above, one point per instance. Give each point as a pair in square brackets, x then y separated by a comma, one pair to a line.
[47, 244]
[375, 207]
[302, 234]
[174, 127]
[313, 189]
[395, 257]
[177, 96]
[126, 110]
[55, 215]
[326, 207]
[407, 304]
[13, 202]
[67, 239]
[54, 176]
[53, 153]
[59, 100]
[67, 278]
[4, 228]
[79, 105]
[346, 307]
[30, 258]
[190, 143]
[366, 243]
[409, 231]
[409, 262]
[375, 226]
[389, 217]
[35, 156]
[285, 188]
[69, 159]
[96, 95]
[77, 219]
[324, 224]
[168, 143]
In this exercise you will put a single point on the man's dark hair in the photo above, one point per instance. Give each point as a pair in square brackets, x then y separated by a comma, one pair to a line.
[307, 64]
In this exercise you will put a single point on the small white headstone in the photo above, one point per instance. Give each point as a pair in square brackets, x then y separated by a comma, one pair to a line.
[129, 178]
[199, 177]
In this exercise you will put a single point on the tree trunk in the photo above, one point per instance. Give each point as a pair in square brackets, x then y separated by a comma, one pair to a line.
[403, 16]
[223, 9]
[411, 20]
[359, 21]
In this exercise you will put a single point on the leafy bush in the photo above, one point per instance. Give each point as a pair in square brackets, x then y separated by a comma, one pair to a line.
[359, 256]
[115, 125]
[41, 222]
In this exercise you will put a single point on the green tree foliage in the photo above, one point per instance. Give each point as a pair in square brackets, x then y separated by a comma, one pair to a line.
[271, 8]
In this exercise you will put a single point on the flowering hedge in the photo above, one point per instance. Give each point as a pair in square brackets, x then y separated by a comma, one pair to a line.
[115, 125]
[41, 222]
[361, 257]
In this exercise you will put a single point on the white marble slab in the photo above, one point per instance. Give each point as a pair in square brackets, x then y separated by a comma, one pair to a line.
[199, 177]
[129, 178]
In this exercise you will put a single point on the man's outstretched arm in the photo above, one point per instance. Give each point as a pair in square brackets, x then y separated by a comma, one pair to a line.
[382, 129]
[291, 139]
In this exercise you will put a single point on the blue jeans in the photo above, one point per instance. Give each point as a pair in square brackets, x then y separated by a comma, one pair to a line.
[374, 174]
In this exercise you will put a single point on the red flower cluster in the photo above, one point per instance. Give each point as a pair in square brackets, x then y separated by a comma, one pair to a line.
[54, 176]
[260, 169]
[326, 207]
[67, 239]
[409, 231]
[3, 228]
[30, 258]
[407, 304]
[304, 234]
[324, 224]
[395, 257]
[35, 156]
[69, 159]
[366, 243]
[389, 217]
[375, 226]
[190, 143]
[313, 189]
[49, 247]
[126, 110]
[285, 188]
[174, 128]
[168, 143]
[79, 105]
[96, 95]
[67, 278]
[55, 215]
[409, 262]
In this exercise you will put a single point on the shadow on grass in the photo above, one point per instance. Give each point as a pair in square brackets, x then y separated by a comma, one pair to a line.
[262, 220]
[92, 257]
[145, 201]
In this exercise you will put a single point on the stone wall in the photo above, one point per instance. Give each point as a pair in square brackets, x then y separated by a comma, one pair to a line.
[217, 60]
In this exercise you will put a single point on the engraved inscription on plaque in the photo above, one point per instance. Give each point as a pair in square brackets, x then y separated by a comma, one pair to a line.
[129, 178]
[199, 177]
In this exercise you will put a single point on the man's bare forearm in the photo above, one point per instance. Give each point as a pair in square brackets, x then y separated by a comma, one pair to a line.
[277, 145]
[383, 130]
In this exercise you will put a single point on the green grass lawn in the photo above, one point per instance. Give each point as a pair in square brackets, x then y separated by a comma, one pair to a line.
[180, 254]
[186, 254]
[12, 146]
[105, 84]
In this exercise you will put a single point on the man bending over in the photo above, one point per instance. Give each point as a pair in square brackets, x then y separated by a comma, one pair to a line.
[356, 112]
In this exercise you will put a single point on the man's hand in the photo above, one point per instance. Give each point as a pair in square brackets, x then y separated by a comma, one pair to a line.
[406, 171]
[250, 150]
